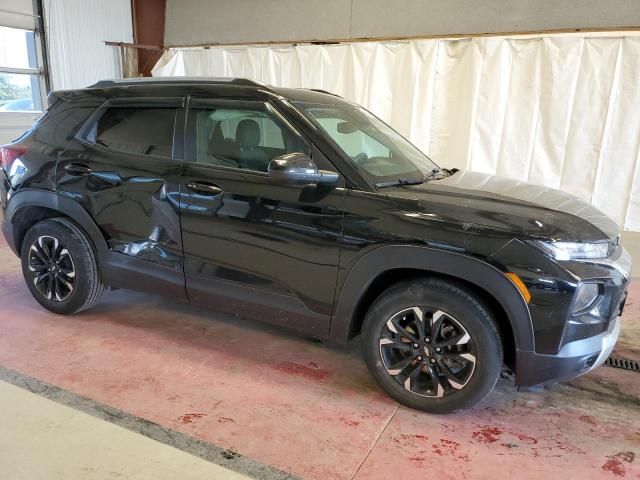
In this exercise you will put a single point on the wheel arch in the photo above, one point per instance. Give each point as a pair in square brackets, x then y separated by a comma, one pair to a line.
[383, 266]
[29, 206]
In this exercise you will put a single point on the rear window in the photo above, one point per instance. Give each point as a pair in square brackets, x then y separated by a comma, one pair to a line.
[143, 131]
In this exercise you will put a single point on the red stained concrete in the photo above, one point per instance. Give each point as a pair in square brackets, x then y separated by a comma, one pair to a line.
[309, 409]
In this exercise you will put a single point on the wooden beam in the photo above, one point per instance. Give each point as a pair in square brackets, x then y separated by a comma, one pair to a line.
[148, 29]
[134, 45]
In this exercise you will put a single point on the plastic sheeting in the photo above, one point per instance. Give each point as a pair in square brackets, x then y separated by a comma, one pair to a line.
[560, 110]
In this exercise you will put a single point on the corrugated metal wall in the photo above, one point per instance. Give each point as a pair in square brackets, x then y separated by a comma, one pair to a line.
[76, 32]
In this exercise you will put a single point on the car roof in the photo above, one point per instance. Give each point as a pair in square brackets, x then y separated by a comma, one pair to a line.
[121, 82]
[241, 88]
[308, 95]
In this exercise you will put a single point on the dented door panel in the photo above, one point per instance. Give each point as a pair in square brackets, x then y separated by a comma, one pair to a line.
[133, 199]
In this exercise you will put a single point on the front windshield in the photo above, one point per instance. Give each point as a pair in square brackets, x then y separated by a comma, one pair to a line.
[378, 150]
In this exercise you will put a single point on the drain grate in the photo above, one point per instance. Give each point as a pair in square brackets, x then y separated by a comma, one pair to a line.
[623, 363]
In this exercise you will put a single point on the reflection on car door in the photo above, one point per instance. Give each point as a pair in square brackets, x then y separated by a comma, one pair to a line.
[253, 247]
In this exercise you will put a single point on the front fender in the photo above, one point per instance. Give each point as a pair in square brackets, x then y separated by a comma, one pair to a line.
[390, 257]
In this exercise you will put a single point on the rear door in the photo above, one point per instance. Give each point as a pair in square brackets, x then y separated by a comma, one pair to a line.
[123, 167]
[254, 247]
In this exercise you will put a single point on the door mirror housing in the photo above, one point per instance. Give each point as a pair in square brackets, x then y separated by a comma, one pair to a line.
[299, 168]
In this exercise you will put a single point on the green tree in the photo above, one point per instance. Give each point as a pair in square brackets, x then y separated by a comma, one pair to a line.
[9, 91]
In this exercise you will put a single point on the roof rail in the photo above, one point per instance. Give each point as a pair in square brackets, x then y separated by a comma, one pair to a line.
[123, 82]
[324, 91]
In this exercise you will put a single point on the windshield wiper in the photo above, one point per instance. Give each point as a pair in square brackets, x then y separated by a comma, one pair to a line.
[432, 174]
[399, 182]
[445, 172]
[416, 181]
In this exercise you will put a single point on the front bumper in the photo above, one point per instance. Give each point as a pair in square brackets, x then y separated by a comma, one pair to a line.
[583, 346]
[574, 359]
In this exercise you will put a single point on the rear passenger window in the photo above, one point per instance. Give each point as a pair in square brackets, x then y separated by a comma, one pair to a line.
[145, 131]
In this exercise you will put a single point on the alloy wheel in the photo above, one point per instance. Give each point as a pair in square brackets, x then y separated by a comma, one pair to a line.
[427, 351]
[52, 269]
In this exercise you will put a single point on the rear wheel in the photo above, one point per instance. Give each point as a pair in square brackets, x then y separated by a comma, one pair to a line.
[59, 267]
[432, 345]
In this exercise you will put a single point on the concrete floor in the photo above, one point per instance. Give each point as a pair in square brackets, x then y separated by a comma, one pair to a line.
[45, 440]
[263, 402]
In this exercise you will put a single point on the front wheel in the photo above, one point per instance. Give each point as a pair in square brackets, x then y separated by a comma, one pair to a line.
[432, 346]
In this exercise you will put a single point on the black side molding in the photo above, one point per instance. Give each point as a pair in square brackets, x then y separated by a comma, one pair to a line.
[474, 271]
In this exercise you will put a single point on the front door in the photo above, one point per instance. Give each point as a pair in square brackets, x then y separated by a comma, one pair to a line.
[123, 167]
[253, 247]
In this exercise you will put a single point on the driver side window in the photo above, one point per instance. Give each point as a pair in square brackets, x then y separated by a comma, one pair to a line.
[247, 138]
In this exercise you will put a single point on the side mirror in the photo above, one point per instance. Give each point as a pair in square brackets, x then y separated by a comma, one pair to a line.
[299, 168]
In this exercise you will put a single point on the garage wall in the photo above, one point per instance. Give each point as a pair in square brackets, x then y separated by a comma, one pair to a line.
[243, 21]
[560, 111]
[16, 14]
[14, 124]
[76, 32]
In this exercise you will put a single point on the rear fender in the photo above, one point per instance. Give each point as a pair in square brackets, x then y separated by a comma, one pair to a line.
[27, 197]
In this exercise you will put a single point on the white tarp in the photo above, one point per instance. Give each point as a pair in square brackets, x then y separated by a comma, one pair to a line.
[559, 110]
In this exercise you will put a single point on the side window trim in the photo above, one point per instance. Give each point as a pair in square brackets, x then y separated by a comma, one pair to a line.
[274, 111]
[83, 135]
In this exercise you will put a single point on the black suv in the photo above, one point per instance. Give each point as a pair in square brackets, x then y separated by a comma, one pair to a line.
[301, 209]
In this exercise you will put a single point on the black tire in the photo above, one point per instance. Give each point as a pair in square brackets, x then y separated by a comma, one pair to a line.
[458, 314]
[67, 260]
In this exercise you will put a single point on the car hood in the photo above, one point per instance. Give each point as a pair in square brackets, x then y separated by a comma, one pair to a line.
[474, 198]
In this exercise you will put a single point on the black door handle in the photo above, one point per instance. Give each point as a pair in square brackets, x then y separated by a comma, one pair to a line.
[204, 188]
[77, 169]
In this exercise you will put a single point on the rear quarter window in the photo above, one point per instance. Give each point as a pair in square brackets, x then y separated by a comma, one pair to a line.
[142, 131]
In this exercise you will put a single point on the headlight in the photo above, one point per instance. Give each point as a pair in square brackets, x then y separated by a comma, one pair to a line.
[573, 250]
[585, 297]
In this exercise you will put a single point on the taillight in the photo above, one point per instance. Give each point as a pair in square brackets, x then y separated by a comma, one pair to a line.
[9, 153]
